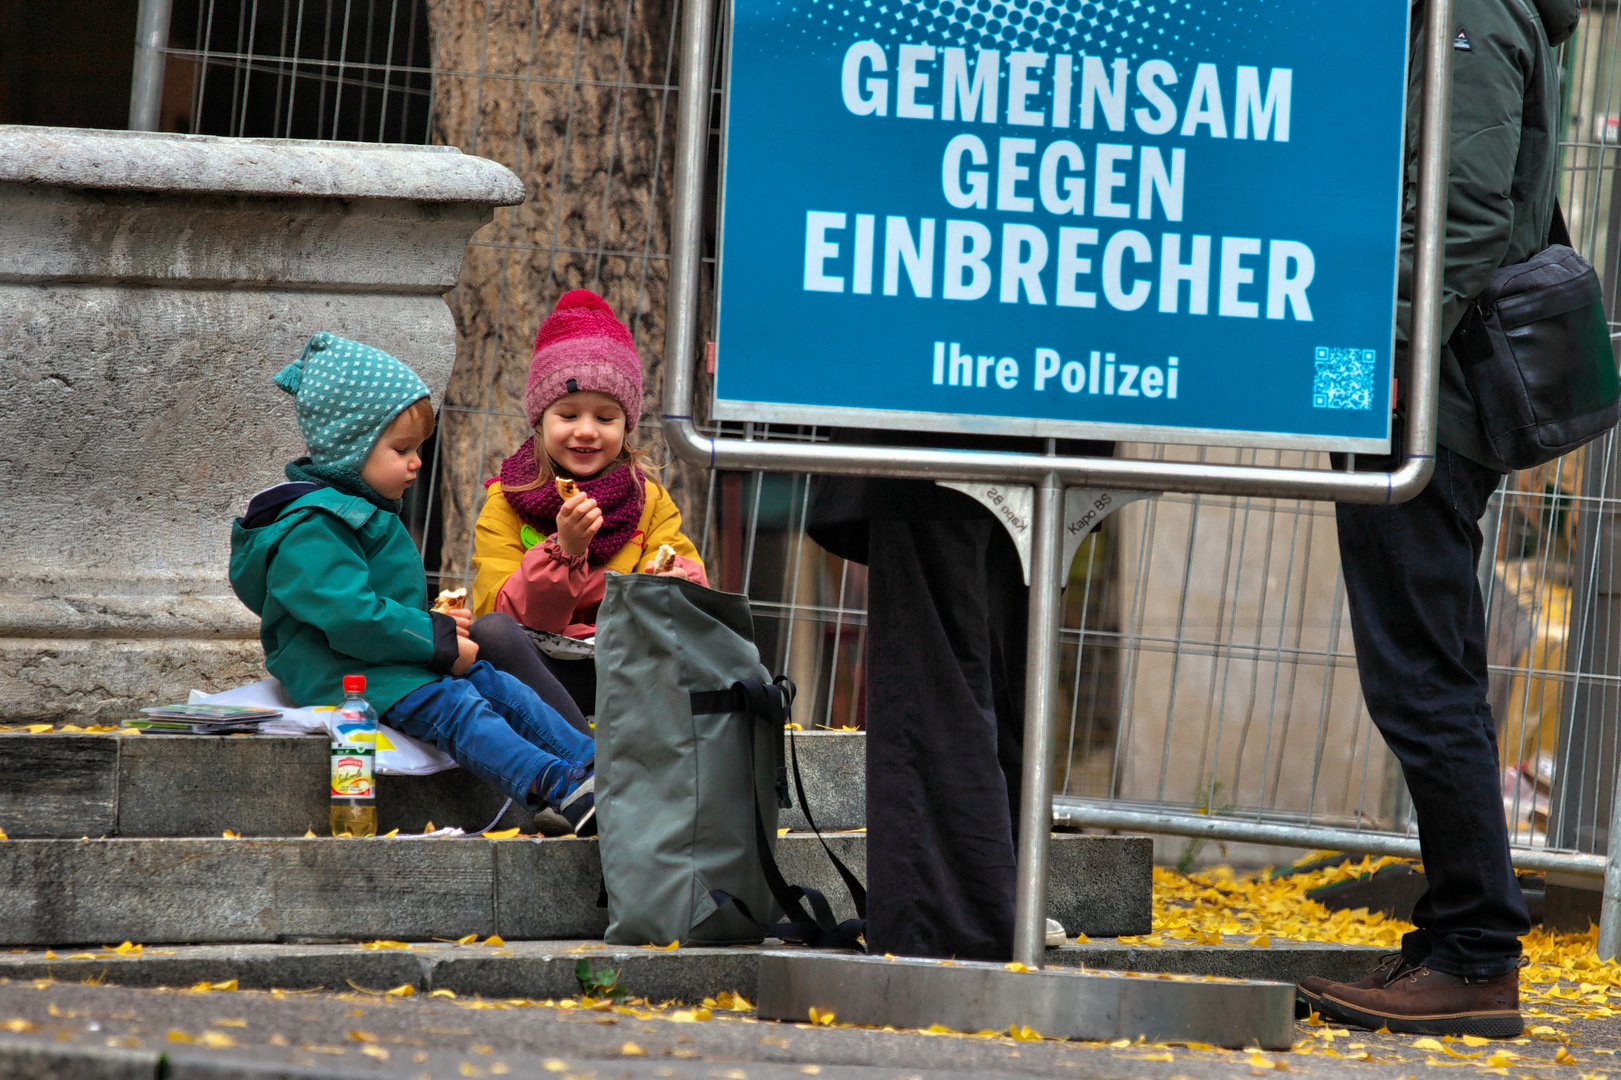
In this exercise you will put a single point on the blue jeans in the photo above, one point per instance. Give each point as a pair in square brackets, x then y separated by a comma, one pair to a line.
[497, 729]
[1420, 630]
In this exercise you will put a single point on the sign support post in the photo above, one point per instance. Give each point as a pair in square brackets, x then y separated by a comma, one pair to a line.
[1040, 724]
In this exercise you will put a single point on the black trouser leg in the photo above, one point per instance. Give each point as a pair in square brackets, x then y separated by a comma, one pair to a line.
[1419, 625]
[503, 643]
[945, 640]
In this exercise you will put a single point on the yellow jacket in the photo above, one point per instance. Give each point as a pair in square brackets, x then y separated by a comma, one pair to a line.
[545, 588]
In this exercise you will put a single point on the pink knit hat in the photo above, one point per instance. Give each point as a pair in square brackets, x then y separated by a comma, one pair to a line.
[581, 346]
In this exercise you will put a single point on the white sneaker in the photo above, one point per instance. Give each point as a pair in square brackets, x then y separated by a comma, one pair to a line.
[1055, 933]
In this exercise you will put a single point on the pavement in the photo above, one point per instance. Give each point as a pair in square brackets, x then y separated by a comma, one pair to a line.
[60, 1029]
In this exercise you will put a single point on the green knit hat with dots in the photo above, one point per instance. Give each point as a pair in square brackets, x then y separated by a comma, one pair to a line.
[347, 394]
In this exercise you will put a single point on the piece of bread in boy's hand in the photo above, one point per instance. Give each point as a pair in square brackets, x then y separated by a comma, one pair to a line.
[450, 598]
[567, 488]
[663, 559]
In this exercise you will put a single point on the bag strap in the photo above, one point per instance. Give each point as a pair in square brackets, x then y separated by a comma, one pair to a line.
[858, 893]
[767, 703]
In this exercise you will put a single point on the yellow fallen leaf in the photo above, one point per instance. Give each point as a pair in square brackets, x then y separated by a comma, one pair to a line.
[309, 834]
[217, 1039]
[1260, 1061]
[732, 1001]
[3, 835]
[495, 941]
[1014, 966]
[176, 1036]
[19, 1025]
[501, 834]
[1564, 1057]
[1474, 1040]
[1082, 939]
[384, 945]
[429, 827]
[404, 990]
[1020, 1033]
[1427, 1043]
[1163, 1055]
[1118, 1043]
[810, 1070]
[442, 993]
[391, 832]
[553, 1065]
[1261, 941]
[126, 949]
[375, 1052]
[229, 835]
[39, 729]
[362, 1036]
[467, 939]
[467, 1068]
[1501, 1059]
[676, 944]
[821, 1016]
[630, 1049]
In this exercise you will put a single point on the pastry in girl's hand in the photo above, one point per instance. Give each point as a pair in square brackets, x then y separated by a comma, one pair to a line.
[663, 559]
[450, 598]
[567, 488]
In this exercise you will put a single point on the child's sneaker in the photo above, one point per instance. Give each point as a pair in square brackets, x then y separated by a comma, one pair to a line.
[579, 807]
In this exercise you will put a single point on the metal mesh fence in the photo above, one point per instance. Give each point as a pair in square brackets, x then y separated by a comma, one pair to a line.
[1207, 664]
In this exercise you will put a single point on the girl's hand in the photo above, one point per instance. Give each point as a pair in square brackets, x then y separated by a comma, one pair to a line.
[674, 571]
[463, 618]
[577, 522]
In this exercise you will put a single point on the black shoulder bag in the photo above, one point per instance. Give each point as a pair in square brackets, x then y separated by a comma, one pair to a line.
[1535, 350]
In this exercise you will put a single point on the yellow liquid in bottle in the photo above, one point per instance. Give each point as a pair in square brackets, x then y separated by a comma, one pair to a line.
[354, 820]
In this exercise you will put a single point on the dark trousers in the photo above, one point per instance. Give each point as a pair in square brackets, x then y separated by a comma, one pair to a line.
[1419, 625]
[945, 722]
[569, 686]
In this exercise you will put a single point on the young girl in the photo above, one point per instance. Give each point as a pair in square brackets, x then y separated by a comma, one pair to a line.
[539, 556]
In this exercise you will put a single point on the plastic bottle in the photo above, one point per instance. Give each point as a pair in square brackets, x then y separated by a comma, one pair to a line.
[354, 756]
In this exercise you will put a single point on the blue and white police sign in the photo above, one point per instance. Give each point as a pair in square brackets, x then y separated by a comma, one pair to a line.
[1168, 220]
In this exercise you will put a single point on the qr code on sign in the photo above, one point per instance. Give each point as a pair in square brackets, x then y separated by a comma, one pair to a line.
[1344, 379]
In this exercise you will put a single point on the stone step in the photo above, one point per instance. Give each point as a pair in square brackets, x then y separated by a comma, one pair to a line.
[72, 784]
[196, 890]
[546, 969]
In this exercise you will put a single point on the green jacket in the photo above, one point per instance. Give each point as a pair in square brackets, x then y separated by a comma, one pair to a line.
[339, 589]
[1500, 190]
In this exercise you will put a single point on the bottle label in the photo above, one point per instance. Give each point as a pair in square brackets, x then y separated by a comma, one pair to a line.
[352, 772]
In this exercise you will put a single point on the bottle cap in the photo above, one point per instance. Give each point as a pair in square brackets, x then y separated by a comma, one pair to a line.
[354, 684]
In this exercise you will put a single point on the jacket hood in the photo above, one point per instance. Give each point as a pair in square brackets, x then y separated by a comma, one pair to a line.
[1559, 18]
[270, 516]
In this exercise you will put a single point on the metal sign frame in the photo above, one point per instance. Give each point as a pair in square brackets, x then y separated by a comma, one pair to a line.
[1050, 474]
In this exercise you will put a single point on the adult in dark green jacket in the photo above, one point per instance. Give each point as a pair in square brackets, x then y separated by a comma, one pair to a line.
[1416, 611]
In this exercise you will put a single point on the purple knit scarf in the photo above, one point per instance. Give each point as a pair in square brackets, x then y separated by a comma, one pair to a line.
[618, 491]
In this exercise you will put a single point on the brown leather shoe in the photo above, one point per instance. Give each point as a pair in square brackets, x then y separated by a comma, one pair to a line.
[1419, 1001]
[1309, 991]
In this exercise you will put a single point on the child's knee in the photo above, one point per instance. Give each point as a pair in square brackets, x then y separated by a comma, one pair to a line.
[494, 629]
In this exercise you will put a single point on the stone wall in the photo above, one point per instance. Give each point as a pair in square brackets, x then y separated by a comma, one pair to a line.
[571, 96]
[150, 286]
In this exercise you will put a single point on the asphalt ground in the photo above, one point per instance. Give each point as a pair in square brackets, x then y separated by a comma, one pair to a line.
[61, 1029]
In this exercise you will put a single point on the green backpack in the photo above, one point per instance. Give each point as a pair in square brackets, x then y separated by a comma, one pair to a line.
[691, 772]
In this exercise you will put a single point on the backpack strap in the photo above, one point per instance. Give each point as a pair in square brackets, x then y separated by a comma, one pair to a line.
[767, 703]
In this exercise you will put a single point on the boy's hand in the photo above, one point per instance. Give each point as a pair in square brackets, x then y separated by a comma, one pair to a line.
[577, 522]
[466, 655]
[463, 619]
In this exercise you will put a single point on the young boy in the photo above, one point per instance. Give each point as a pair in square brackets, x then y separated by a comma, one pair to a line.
[326, 564]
